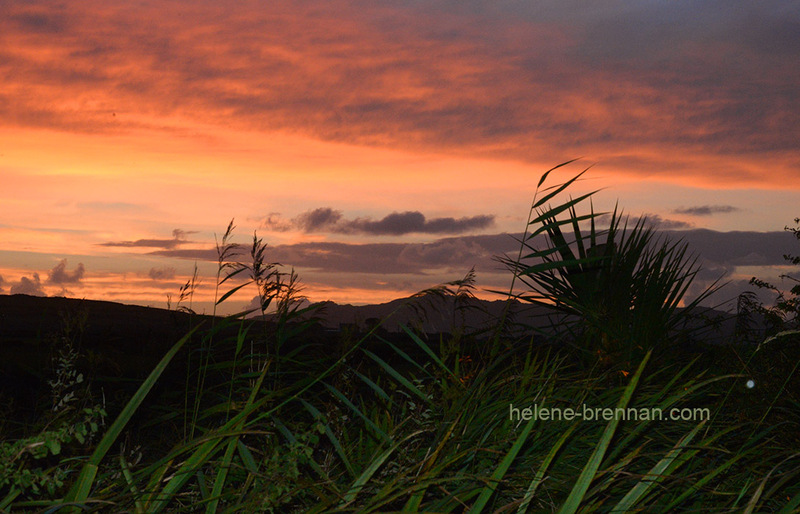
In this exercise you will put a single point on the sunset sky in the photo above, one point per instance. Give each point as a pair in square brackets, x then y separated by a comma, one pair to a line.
[382, 147]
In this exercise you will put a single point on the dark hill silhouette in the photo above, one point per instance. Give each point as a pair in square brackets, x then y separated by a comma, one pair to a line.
[120, 344]
[113, 327]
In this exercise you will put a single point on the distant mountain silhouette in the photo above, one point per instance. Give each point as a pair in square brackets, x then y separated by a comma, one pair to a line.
[428, 313]
[110, 325]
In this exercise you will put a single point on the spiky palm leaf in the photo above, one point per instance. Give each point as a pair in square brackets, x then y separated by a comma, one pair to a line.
[623, 286]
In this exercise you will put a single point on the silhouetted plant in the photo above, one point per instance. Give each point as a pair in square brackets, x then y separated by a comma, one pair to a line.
[784, 314]
[621, 288]
[458, 293]
[187, 293]
[227, 267]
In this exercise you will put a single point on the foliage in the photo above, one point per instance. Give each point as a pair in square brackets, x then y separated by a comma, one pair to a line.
[39, 465]
[784, 315]
[621, 289]
[24, 462]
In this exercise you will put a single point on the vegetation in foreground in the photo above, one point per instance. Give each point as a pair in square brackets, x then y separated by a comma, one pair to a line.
[242, 415]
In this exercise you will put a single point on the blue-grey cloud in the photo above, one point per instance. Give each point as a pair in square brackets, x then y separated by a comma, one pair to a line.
[145, 243]
[60, 276]
[317, 220]
[179, 237]
[665, 223]
[411, 266]
[39, 21]
[399, 223]
[273, 221]
[30, 286]
[738, 248]
[653, 220]
[385, 258]
[414, 264]
[706, 210]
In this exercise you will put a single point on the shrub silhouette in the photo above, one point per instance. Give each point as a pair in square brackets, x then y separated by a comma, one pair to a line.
[620, 288]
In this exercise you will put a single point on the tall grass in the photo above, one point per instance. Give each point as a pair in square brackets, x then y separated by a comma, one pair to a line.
[284, 420]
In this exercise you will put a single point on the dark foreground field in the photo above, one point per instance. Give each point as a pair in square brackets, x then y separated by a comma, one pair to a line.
[328, 416]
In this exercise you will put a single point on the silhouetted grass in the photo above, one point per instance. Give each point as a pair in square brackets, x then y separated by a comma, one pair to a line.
[271, 418]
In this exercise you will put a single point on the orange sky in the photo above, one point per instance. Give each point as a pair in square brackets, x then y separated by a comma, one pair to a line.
[394, 130]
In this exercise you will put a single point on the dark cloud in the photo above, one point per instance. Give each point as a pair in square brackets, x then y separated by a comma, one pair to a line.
[383, 258]
[653, 220]
[727, 297]
[60, 276]
[145, 243]
[348, 258]
[40, 22]
[273, 221]
[180, 235]
[163, 273]
[412, 221]
[326, 219]
[450, 253]
[719, 252]
[30, 286]
[178, 238]
[706, 210]
[209, 254]
[666, 224]
[712, 274]
[738, 248]
[411, 266]
[318, 220]
[1, 284]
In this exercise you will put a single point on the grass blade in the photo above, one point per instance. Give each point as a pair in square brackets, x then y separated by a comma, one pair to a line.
[427, 350]
[590, 470]
[331, 437]
[539, 477]
[79, 492]
[558, 189]
[655, 474]
[400, 378]
[375, 428]
[500, 472]
[362, 480]
[546, 173]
